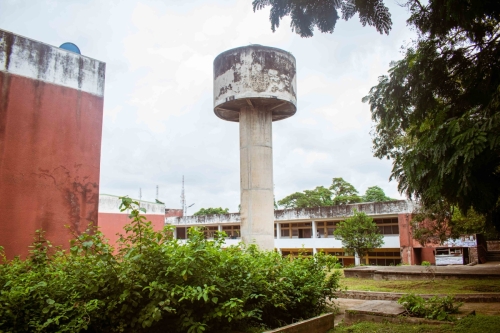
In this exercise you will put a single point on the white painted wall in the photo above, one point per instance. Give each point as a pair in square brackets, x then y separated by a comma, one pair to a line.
[32, 59]
[111, 203]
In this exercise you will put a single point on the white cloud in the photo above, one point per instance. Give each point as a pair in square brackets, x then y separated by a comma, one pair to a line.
[159, 122]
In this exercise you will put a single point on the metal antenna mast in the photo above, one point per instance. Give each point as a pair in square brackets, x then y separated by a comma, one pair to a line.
[140, 193]
[183, 198]
[157, 191]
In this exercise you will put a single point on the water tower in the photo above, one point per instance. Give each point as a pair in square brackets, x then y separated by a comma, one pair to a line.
[255, 85]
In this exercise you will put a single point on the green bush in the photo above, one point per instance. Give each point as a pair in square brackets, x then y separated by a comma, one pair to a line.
[425, 263]
[436, 307]
[154, 283]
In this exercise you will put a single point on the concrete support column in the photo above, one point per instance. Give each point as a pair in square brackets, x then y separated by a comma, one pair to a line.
[278, 231]
[256, 175]
[357, 260]
[314, 230]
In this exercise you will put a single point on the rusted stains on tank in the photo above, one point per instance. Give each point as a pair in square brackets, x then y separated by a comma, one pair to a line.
[268, 70]
[225, 63]
[225, 89]
[273, 68]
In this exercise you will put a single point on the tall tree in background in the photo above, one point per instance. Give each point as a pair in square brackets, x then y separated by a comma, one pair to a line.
[340, 192]
[375, 194]
[359, 234]
[211, 211]
[319, 197]
[344, 192]
[437, 113]
[324, 14]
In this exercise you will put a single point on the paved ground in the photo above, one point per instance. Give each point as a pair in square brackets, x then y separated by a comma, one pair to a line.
[492, 309]
[480, 308]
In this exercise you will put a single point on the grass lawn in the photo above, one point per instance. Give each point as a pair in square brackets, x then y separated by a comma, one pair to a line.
[472, 324]
[454, 286]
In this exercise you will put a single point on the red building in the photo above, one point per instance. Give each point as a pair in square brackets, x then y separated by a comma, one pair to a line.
[51, 108]
[112, 221]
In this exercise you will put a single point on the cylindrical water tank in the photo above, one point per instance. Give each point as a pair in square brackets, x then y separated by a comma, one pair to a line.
[255, 75]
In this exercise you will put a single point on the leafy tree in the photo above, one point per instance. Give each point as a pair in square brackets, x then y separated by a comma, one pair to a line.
[340, 192]
[324, 14]
[437, 113]
[344, 192]
[211, 211]
[318, 197]
[359, 234]
[375, 194]
[154, 283]
[442, 221]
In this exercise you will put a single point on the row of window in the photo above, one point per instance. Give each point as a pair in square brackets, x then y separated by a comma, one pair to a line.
[387, 258]
[298, 230]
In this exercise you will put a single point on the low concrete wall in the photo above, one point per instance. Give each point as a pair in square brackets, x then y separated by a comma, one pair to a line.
[386, 296]
[353, 317]
[493, 245]
[374, 274]
[320, 324]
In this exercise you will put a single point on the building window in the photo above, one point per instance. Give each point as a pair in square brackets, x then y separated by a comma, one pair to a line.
[210, 232]
[384, 258]
[181, 232]
[388, 226]
[326, 229]
[232, 231]
[296, 230]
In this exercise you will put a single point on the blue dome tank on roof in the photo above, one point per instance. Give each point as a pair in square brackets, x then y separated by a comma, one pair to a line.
[70, 47]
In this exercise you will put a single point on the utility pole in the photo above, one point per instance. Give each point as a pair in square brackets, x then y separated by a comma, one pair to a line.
[183, 198]
[157, 192]
[140, 193]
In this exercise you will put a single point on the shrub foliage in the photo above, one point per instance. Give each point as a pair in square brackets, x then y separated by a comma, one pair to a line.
[435, 307]
[152, 282]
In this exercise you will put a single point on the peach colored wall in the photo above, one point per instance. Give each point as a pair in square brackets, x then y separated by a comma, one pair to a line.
[50, 149]
[51, 108]
[112, 223]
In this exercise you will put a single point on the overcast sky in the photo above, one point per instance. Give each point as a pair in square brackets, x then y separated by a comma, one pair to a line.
[159, 122]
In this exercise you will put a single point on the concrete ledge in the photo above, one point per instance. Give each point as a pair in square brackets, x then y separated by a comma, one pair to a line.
[353, 317]
[419, 273]
[320, 324]
[386, 296]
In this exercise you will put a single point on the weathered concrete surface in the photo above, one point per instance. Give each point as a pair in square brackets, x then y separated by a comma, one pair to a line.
[320, 324]
[51, 107]
[422, 272]
[255, 85]
[264, 75]
[383, 311]
[386, 296]
[256, 175]
[389, 208]
[381, 308]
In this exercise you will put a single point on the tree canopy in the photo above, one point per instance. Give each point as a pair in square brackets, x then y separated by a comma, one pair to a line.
[324, 14]
[340, 192]
[375, 194]
[211, 211]
[359, 234]
[437, 113]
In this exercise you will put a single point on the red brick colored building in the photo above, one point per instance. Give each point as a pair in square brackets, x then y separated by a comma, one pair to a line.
[51, 109]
